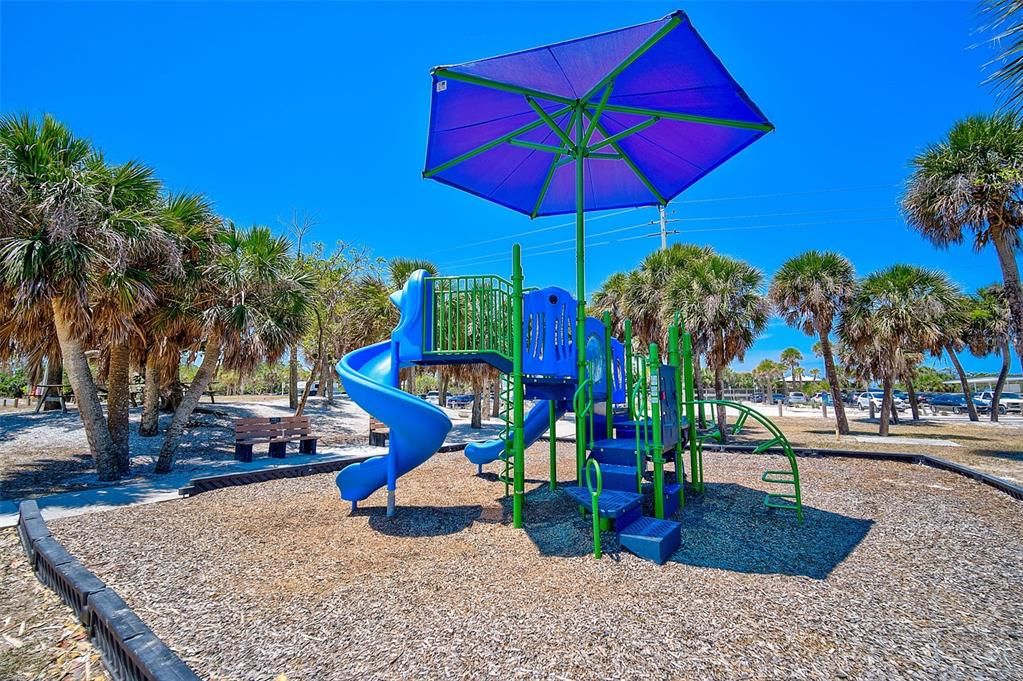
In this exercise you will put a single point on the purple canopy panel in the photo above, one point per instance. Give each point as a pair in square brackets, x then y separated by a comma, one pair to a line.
[682, 114]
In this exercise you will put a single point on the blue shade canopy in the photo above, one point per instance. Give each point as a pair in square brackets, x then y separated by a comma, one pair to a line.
[658, 112]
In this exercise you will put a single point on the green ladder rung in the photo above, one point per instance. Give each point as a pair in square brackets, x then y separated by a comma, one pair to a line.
[764, 446]
[779, 477]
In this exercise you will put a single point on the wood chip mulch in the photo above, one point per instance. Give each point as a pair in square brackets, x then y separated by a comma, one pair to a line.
[899, 571]
[40, 638]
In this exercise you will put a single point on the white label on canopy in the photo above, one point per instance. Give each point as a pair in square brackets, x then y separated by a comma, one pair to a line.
[442, 85]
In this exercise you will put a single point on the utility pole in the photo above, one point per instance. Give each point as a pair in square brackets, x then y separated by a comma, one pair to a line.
[663, 221]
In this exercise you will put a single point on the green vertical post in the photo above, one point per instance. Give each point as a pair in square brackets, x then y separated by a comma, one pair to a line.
[695, 468]
[655, 426]
[628, 367]
[518, 411]
[609, 374]
[675, 360]
[552, 431]
[580, 288]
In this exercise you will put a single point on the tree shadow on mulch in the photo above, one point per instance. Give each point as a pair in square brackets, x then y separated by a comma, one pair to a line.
[421, 521]
[999, 454]
[44, 475]
[727, 528]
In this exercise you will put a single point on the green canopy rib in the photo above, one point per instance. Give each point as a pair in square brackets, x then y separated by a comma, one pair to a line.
[551, 123]
[598, 113]
[624, 133]
[537, 146]
[637, 53]
[689, 118]
[498, 85]
[632, 166]
[489, 145]
[550, 173]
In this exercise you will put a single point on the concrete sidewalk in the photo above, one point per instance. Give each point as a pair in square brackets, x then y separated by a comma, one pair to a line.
[158, 488]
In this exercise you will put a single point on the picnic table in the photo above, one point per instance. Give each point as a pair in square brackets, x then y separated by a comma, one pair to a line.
[50, 392]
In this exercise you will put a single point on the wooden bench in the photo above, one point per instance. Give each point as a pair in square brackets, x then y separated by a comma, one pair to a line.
[278, 431]
[378, 432]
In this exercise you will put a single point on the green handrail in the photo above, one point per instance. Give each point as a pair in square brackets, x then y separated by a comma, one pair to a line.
[779, 439]
[582, 404]
[594, 467]
[470, 314]
[635, 401]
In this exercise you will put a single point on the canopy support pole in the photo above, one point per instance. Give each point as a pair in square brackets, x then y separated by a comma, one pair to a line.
[580, 289]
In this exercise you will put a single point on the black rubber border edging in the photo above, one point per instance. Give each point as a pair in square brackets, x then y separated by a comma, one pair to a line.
[1013, 490]
[213, 482]
[130, 650]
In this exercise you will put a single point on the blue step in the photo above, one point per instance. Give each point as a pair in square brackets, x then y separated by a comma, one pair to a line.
[671, 498]
[616, 451]
[622, 478]
[652, 539]
[610, 504]
[627, 429]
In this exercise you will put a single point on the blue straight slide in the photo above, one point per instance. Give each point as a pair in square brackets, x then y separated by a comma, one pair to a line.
[537, 423]
[417, 428]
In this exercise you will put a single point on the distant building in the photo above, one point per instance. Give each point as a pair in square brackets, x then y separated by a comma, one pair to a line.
[1013, 382]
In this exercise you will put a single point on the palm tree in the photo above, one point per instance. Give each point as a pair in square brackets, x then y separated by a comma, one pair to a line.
[809, 291]
[251, 306]
[987, 333]
[971, 182]
[790, 358]
[894, 311]
[1004, 18]
[722, 300]
[767, 371]
[952, 341]
[53, 243]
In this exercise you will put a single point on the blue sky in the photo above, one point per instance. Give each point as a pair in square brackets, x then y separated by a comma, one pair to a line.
[322, 108]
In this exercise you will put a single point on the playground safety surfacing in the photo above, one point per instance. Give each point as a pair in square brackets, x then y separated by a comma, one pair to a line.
[898, 570]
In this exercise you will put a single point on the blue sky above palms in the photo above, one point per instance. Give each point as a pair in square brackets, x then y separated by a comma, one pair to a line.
[323, 108]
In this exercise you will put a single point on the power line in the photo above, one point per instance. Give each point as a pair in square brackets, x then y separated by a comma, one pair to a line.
[837, 190]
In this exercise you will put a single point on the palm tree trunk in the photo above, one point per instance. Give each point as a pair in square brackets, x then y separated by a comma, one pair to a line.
[308, 388]
[914, 405]
[442, 389]
[477, 405]
[82, 382]
[1002, 375]
[293, 378]
[117, 404]
[719, 393]
[54, 376]
[971, 408]
[1013, 291]
[495, 407]
[886, 407]
[149, 425]
[203, 377]
[832, 375]
[698, 380]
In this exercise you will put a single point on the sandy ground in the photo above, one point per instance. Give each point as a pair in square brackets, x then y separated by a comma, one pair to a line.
[48, 453]
[899, 571]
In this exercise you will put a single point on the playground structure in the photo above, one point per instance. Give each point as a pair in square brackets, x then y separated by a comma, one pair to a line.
[638, 413]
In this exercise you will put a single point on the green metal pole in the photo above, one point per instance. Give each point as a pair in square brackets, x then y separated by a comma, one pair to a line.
[552, 431]
[518, 412]
[628, 367]
[609, 374]
[655, 426]
[580, 292]
[675, 360]
[695, 472]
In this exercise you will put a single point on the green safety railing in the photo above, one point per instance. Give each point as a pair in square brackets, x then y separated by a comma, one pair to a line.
[582, 404]
[593, 467]
[638, 404]
[469, 315]
[786, 501]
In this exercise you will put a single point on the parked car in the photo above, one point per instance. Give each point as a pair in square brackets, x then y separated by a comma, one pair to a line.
[758, 397]
[984, 405]
[953, 402]
[797, 397]
[777, 397]
[456, 401]
[822, 397]
[433, 397]
[865, 399]
[1011, 401]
